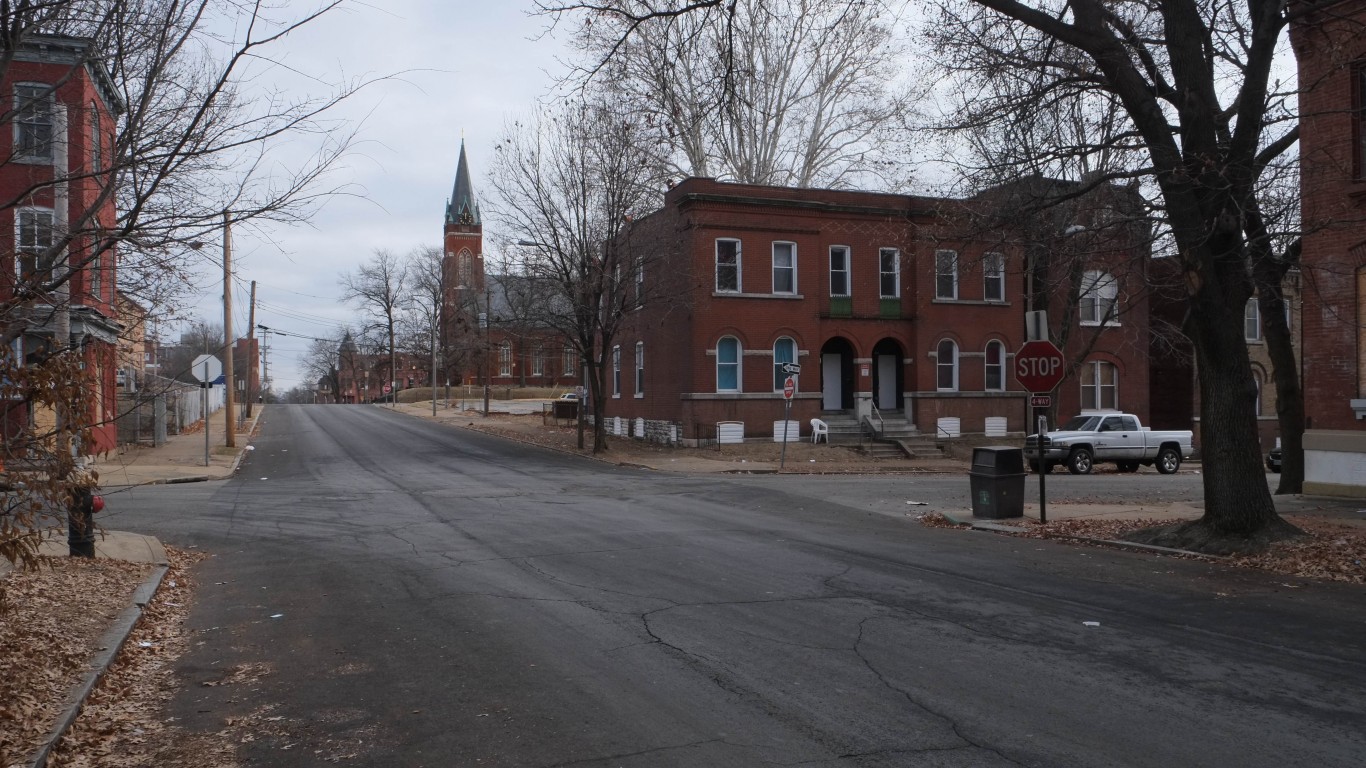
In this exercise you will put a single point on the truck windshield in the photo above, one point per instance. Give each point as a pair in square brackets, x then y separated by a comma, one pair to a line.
[1081, 424]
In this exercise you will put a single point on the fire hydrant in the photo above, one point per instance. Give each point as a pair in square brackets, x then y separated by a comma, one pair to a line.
[80, 533]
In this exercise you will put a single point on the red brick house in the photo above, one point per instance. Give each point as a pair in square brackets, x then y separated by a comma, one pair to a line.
[62, 111]
[896, 308]
[1330, 44]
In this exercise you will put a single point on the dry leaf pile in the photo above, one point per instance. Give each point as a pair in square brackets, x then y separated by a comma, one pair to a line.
[123, 723]
[56, 615]
[1329, 550]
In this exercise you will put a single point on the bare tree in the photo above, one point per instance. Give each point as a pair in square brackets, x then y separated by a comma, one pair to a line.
[378, 290]
[566, 185]
[788, 92]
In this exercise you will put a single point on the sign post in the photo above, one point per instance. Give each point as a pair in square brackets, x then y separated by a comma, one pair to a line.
[1039, 367]
[789, 391]
[207, 369]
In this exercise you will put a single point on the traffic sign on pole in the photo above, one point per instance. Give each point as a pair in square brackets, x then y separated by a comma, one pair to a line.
[1040, 401]
[789, 388]
[791, 369]
[1039, 366]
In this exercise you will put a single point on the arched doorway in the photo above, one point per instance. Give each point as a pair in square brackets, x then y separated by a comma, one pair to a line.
[889, 368]
[837, 375]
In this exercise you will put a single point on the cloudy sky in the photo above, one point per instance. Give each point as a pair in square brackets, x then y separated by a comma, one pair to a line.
[470, 65]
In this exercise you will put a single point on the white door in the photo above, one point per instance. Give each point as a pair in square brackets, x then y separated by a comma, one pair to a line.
[831, 396]
[886, 383]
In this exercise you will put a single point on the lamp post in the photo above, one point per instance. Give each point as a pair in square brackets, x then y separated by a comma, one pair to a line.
[486, 320]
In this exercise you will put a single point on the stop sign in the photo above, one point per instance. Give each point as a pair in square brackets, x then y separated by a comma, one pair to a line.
[387, 388]
[1039, 366]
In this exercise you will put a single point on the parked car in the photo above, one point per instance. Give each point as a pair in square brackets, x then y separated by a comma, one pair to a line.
[1273, 459]
[572, 397]
[1109, 437]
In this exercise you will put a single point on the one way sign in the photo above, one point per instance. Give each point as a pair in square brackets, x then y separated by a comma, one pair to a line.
[791, 369]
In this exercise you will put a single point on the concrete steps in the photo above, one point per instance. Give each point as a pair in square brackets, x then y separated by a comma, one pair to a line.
[899, 440]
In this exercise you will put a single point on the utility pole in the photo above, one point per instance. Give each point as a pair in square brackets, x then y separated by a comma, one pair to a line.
[251, 346]
[228, 377]
[265, 362]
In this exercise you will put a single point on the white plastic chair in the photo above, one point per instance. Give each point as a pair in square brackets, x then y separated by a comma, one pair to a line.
[819, 429]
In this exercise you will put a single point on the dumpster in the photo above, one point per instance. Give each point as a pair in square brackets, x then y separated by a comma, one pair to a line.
[997, 480]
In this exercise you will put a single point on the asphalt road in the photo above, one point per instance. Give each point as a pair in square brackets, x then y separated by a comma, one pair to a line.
[384, 591]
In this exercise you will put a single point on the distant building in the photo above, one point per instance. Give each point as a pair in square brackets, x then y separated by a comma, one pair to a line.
[488, 329]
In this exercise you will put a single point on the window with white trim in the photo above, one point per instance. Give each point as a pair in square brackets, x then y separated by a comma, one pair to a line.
[640, 368]
[946, 366]
[727, 266]
[784, 352]
[616, 371]
[640, 282]
[538, 361]
[1099, 386]
[1252, 320]
[33, 234]
[995, 367]
[505, 359]
[839, 270]
[1098, 301]
[994, 277]
[728, 364]
[946, 274]
[570, 361]
[33, 122]
[889, 273]
[784, 267]
[95, 269]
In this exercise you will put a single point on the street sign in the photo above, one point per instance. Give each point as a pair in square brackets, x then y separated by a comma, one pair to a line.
[789, 388]
[791, 369]
[1040, 401]
[387, 388]
[206, 368]
[1039, 366]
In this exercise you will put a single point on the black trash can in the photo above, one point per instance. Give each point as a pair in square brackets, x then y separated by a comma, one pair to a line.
[566, 409]
[997, 479]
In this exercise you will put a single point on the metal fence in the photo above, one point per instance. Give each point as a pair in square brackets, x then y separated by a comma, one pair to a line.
[162, 407]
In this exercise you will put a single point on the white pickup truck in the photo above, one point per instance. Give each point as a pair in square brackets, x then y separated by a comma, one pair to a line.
[1109, 437]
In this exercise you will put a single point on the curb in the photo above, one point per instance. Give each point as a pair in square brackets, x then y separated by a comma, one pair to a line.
[995, 527]
[110, 644]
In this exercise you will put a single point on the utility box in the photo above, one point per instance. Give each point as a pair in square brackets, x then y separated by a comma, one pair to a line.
[997, 482]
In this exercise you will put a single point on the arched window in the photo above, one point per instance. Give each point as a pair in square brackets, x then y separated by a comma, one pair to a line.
[784, 352]
[1099, 386]
[946, 366]
[995, 367]
[728, 365]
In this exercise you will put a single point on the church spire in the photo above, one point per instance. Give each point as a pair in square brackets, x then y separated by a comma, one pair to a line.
[462, 207]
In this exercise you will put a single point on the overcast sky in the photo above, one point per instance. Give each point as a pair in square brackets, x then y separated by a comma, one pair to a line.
[470, 65]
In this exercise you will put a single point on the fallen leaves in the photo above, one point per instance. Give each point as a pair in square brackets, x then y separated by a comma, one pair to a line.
[58, 613]
[1329, 550]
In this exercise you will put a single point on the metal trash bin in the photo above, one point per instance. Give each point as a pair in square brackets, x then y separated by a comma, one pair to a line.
[997, 480]
[566, 409]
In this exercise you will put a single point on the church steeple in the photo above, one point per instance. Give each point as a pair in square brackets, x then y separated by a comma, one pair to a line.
[462, 208]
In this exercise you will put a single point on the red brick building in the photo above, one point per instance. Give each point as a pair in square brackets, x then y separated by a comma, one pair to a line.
[488, 322]
[1330, 45]
[895, 307]
[56, 151]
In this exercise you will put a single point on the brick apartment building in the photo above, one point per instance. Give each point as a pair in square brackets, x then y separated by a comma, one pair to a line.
[893, 305]
[56, 150]
[1330, 45]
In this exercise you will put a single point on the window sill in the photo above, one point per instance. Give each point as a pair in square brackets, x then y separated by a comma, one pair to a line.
[740, 295]
[640, 395]
[971, 302]
[1093, 324]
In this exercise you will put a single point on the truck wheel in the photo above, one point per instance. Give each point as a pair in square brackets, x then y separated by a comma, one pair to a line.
[1079, 461]
[1168, 461]
[1128, 466]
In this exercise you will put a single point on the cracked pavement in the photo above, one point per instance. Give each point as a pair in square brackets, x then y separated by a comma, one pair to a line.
[470, 601]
